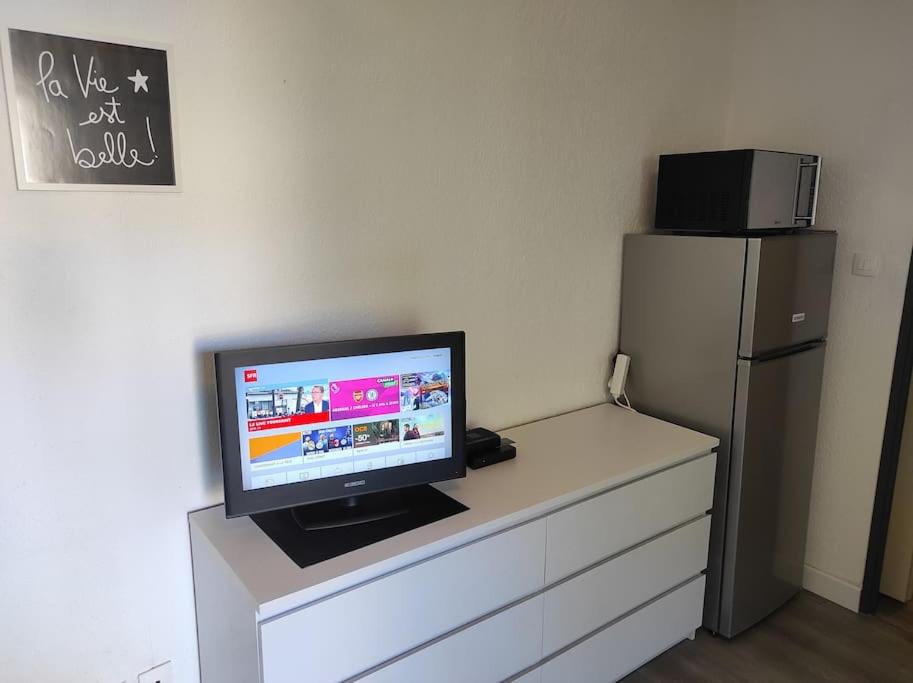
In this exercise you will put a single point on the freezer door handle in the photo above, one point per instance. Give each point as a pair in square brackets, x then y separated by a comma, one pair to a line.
[779, 353]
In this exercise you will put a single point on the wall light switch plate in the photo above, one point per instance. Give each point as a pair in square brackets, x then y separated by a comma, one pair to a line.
[866, 264]
[159, 674]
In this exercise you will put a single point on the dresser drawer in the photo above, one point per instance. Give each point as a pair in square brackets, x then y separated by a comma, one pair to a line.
[619, 649]
[491, 650]
[587, 532]
[355, 630]
[604, 593]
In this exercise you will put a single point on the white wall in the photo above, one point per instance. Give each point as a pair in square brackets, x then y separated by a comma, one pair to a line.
[833, 77]
[412, 165]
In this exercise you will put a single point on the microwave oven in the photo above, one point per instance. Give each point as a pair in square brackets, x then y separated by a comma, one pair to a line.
[737, 191]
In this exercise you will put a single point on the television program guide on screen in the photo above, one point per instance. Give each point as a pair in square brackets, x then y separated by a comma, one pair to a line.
[308, 420]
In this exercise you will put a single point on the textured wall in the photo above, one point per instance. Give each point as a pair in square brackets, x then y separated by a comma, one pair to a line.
[830, 76]
[350, 169]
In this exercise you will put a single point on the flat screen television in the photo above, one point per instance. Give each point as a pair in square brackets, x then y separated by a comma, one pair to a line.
[318, 422]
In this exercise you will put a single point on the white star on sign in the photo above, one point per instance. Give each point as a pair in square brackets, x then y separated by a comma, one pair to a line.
[139, 81]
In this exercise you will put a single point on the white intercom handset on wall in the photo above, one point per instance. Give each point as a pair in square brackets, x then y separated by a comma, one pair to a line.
[617, 383]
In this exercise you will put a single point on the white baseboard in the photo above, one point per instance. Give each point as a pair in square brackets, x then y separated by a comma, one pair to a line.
[831, 588]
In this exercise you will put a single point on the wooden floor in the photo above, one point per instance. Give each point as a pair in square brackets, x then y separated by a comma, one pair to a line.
[808, 639]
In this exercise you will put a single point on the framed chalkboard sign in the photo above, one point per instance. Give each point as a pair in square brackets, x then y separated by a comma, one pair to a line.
[89, 114]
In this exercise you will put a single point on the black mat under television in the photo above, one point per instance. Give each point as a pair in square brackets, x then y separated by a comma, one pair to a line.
[420, 505]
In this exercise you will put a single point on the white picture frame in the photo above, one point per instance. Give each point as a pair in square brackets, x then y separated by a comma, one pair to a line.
[9, 87]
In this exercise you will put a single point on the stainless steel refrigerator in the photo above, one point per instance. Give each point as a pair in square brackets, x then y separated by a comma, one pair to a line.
[726, 335]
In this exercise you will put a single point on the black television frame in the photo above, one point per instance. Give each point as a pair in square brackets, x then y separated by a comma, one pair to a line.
[239, 502]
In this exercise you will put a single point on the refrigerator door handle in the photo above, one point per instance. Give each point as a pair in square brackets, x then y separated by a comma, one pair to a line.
[779, 353]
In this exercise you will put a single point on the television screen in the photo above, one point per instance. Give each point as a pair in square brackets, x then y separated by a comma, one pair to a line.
[320, 421]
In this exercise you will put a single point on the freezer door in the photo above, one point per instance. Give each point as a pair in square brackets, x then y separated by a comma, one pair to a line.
[773, 449]
[787, 291]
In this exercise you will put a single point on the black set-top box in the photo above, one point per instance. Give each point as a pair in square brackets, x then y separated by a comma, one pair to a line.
[484, 447]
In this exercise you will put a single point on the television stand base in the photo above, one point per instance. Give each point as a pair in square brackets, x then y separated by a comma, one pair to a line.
[309, 534]
[372, 507]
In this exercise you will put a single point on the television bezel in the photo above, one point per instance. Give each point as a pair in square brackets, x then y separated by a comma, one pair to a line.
[239, 502]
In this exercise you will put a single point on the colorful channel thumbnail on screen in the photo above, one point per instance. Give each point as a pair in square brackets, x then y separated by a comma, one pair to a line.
[272, 448]
[376, 433]
[362, 397]
[327, 440]
[423, 390]
[274, 401]
[287, 405]
[422, 425]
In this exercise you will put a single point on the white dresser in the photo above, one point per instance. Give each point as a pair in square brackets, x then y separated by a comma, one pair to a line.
[578, 561]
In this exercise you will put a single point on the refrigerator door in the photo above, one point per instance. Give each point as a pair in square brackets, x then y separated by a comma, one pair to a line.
[787, 291]
[773, 448]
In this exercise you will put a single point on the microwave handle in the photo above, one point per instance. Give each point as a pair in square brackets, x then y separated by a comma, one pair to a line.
[817, 166]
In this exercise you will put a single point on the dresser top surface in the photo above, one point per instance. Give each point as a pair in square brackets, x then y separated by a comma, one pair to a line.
[560, 460]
